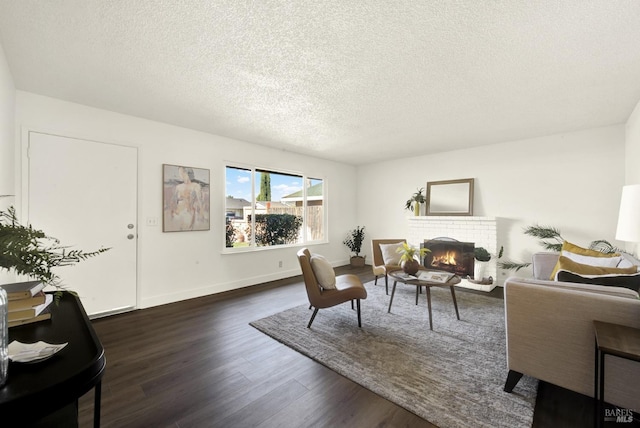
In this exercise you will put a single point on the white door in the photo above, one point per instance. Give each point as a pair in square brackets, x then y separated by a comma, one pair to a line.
[84, 194]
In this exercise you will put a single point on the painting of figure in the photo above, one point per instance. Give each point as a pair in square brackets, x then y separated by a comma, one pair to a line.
[185, 198]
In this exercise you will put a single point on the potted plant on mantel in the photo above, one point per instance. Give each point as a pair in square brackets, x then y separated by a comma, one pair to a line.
[410, 257]
[413, 204]
[354, 243]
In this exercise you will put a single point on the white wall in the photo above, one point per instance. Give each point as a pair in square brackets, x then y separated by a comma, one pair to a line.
[175, 266]
[570, 181]
[7, 161]
[632, 159]
[7, 107]
[632, 147]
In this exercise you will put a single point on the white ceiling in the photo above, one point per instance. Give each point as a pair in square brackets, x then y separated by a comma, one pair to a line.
[354, 81]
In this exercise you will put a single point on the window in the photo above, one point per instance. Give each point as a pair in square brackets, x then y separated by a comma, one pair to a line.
[265, 208]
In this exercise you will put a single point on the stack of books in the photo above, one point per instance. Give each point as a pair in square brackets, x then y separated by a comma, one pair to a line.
[27, 302]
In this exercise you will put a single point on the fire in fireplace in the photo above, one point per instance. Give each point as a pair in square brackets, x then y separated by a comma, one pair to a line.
[449, 255]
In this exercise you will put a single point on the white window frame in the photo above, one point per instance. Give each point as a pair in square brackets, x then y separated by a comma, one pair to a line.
[252, 245]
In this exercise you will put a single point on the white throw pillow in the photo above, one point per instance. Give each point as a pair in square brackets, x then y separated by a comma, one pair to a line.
[593, 261]
[390, 254]
[324, 272]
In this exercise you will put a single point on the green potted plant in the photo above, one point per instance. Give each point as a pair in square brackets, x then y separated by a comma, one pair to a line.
[28, 251]
[482, 259]
[481, 254]
[410, 257]
[354, 242]
[413, 204]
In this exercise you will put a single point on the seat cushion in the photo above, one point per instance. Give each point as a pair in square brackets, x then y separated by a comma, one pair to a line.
[322, 269]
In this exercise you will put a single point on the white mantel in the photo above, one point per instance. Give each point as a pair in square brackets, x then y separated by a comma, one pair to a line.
[483, 231]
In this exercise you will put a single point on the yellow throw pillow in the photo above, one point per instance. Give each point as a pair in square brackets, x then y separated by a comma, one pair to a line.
[573, 248]
[567, 264]
[586, 256]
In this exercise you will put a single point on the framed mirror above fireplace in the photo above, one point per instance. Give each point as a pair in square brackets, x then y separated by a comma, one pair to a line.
[450, 197]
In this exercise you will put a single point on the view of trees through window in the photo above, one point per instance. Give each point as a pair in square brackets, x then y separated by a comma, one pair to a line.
[266, 208]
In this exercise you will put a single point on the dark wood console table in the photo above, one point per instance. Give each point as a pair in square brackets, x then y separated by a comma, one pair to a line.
[34, 391]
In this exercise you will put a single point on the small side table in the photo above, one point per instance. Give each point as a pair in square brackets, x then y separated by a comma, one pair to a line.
[611, 339]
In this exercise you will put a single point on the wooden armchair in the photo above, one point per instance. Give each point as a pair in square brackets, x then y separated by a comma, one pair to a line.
[348, 288]
[378, 265]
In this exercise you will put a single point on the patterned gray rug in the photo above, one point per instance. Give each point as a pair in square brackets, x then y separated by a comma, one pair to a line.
[452, 376]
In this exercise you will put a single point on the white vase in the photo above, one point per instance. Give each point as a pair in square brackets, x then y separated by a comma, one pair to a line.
[479, 269]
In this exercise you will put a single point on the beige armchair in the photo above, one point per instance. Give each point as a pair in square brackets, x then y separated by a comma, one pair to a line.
[378, 265]
[348, 288]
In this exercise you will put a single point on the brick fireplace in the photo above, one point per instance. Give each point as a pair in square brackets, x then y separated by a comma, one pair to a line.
[482, 231]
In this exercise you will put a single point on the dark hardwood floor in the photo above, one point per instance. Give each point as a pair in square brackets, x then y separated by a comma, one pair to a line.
[198, 363]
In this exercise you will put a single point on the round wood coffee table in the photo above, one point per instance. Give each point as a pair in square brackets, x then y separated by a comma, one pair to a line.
[399, 276]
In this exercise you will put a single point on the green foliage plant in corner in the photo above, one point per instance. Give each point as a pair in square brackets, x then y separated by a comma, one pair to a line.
[354, 241]
[28, 251]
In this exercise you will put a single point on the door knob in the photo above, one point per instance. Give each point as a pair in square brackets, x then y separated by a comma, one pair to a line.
[130, 236]
[130, 226]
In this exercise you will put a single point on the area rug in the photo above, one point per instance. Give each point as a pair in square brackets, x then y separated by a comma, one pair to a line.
[452, 376]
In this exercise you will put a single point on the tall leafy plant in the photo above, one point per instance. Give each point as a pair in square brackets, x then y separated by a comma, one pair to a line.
[354, 240]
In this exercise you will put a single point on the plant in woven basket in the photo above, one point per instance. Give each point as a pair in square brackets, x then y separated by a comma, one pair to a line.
[354, 243]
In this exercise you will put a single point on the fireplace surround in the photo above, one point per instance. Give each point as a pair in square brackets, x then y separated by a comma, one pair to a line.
[483, 231]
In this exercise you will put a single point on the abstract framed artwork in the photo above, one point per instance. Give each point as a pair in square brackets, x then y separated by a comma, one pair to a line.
[185, 198]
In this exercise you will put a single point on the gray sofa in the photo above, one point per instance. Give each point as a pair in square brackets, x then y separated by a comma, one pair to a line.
[550, 333]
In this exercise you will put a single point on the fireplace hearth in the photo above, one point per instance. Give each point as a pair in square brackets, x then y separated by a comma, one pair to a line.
[449, 255]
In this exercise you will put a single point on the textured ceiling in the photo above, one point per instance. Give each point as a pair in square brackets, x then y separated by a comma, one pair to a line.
[353, 81]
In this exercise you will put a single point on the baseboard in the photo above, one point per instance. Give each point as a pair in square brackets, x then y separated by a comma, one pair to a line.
[218, 288]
